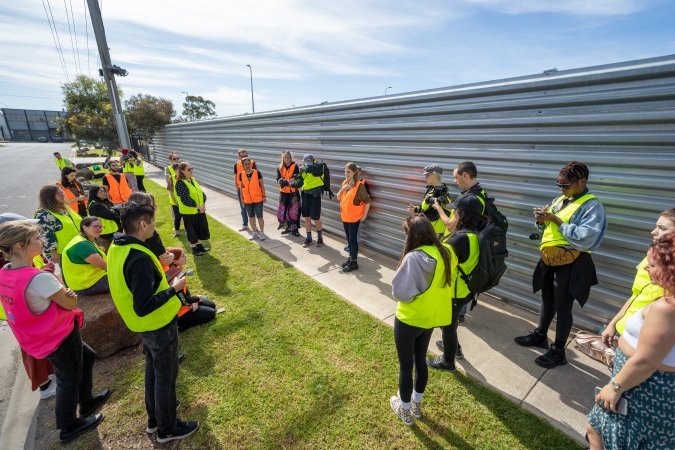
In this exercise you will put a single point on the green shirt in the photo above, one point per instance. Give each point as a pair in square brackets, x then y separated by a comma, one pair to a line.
[79, 252]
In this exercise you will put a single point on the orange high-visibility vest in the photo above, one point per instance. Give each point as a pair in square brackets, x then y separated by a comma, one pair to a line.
[240, 169]
[119, 192]
[250, 189]
[70, 195]
[287, 173]
[349, 212]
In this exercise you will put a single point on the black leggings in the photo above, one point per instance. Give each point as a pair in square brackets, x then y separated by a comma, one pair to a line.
[352, 234]
[139, 182]
[411, 345]
[450, 338]
[205, 313]
[176, 217]
[557, 300]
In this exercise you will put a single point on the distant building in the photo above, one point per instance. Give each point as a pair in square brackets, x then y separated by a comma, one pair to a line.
[30, 125]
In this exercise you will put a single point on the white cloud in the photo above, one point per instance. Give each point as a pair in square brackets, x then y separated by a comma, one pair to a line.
[576, 7]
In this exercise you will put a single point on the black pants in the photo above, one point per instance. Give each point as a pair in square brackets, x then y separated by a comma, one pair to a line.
[176, 217]
[196, 227]
[352, 233]
[206, 312]
[161, 371]
[411, 345]
[557, 300]
[450, 338]
[139, 182]
[73, 362]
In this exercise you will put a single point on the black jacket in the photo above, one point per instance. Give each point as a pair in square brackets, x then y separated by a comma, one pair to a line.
[582, 277]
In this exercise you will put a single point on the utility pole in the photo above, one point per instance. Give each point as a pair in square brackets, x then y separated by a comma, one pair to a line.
[109, 71]
[250, 69]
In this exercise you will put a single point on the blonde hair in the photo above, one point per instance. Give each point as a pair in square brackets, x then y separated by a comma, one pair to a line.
[16, 232]
[283, 155]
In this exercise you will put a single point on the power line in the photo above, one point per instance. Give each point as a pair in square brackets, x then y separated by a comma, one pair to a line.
[56, 45]
[86, 27]
[77, 44]
[72, 42]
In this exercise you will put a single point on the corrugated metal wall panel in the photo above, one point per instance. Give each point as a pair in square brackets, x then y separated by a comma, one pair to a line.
[619, 119]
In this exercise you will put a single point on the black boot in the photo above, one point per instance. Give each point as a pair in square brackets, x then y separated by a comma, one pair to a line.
[94, 403]
[346, 263]
[534, 339]
[353, 265]
[79, 427]
[552, 358]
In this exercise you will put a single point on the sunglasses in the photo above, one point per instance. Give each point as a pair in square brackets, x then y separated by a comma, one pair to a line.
[563, 185]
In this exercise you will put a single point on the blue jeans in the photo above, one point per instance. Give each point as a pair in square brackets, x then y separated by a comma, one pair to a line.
[161, 371]
[244, 216]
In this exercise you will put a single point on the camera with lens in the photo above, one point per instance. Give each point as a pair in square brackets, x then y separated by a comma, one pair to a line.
[439, 195]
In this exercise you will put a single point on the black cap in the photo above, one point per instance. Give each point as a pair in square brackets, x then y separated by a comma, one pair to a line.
[468, 204]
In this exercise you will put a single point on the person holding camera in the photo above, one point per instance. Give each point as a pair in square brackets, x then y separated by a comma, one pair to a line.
[288, 212]
[354, 206]
[436, 191]
[571, 228]
[134, 165]
[315, 179]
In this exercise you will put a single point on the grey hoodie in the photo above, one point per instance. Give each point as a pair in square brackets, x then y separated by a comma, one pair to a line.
[414, 276]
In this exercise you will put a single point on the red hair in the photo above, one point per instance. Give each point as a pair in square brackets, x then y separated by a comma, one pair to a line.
[661, 256]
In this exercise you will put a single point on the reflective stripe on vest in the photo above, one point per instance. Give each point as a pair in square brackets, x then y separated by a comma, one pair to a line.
[38, 335]
[70, 227]
[118, 192]
[172, 174]
[109, 225]
[433, 307]
[196, 194]
[251, 192]
[79, 277]
[124, 299]
[552, 236]
[70, 195]
[240, 169]
[287, 174]
[644, 293]
[349, 212]
[461, 288]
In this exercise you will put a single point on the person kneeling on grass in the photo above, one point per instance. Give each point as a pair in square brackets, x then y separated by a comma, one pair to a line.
[422, 285]
[195, 309]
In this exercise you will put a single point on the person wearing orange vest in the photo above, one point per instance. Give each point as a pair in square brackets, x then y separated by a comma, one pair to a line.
[288, 212]
[239, 168]
[118, 188]
[73, 190]
[571, 228]
[354, 206]
[253, 195]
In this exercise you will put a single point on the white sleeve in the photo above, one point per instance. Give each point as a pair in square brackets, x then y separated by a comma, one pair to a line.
[38, 291]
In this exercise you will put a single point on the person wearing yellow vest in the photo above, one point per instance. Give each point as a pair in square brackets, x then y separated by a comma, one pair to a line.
[84, 262]
[354, 206]
[170, 177]
[423, 287]
[149, 306]
[239, 168]
[253, 196]
[463, 243]
[288, 212]
[644, 291]
[73, 190]
[100, 206]
[62, 162]
[436, 192]
[571, 228]
[313, 182]
[191, 204]
[118, 187]
[59, 222]
[134, 164]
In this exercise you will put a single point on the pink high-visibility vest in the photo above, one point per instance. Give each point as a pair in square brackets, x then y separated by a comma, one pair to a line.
[38, 335]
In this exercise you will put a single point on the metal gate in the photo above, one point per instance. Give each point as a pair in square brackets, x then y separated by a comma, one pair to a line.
[619, 119]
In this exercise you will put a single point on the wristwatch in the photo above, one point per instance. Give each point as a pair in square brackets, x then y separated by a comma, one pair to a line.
[616, 386]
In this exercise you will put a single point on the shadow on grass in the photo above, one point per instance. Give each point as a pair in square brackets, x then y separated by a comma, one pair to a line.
[452, 439]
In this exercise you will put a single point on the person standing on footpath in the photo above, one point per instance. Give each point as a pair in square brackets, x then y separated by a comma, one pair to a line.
[354, 206]
[359, 173]
[253, 196]
[44, 318]
[192, 206]
[118, 188]
[422, 285]
[149, 306]
[137, 168]
[62, 162]
[239, 168]
[288, 212]
[315, 179]
[571, 228]
[170, 177]
[73, 190]
[436, 191]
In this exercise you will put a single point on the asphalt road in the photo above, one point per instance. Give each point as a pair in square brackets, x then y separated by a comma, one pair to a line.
[26, 168]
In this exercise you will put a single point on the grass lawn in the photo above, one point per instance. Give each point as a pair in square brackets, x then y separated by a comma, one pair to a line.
[290, 364]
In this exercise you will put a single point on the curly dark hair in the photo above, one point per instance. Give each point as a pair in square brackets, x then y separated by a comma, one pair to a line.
[661, 257]
[574, 171]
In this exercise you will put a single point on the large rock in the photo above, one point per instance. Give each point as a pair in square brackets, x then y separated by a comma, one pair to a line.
[103, 329]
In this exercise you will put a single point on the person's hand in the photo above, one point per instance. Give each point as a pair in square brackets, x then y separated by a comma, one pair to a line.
[608, 334]
[264, 199]
[436, 206]
[411, 209]
[70, 293]
[81, 198]
[608, 398]
[166, 258]
[364, 217]
[194, 306]
[178, 283]
[54, 257]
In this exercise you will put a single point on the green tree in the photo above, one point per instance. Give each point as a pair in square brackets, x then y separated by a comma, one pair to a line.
[196, 107]
[146, 114]
[89, 112]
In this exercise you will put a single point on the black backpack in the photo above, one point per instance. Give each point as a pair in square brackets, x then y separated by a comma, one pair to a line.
[496, 218]
[491, 262]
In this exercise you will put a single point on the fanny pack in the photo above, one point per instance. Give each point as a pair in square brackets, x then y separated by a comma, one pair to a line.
[559, 256]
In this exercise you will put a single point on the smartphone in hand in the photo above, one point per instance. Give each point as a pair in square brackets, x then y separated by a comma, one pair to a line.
[621, 407]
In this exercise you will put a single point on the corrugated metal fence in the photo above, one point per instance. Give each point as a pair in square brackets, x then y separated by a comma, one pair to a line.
[619, 119]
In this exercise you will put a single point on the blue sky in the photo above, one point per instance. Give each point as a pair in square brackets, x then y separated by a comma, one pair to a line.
[306, 52]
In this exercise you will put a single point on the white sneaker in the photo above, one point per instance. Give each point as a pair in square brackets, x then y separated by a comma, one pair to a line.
[397, 407]
[415, 409]
[262, 236]
[49, 392]
[244, 228]
[254, 236]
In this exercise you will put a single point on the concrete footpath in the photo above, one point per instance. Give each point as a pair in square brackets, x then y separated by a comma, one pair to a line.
[562, 395]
